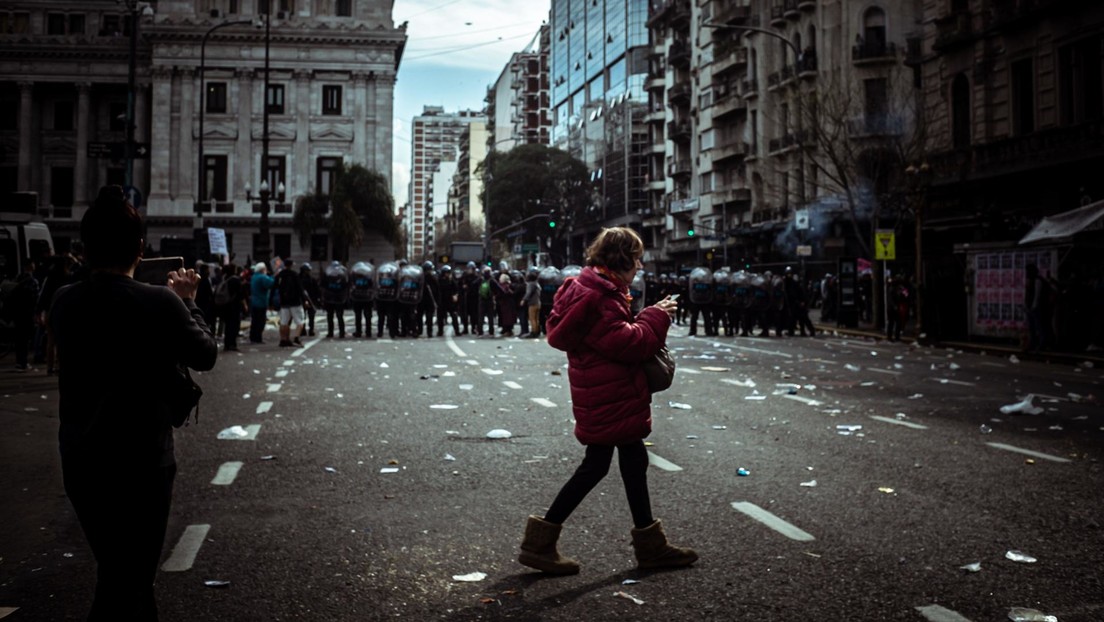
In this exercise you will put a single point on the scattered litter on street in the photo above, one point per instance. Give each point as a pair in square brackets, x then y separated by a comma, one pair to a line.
[1029, 461]
[973, 567]
[742, 472]
[1020, 556]
[679, 405]
[916, 396]
[471, 577]
[692, 437]
[450, 458]
[269, 457]
[630, 582]
[466, 387]
[809, 484]
[985, 429]
[216, 583]
[1024, 614]
[720, 427]
[847, 430]
[755, 395]
[389, 470]
[440, 366]
[384, 365]
[850, 367]
[329, 469]
[887, 490]
[719, 369]
[443, 406]
[954, 366]
[233, 432]
[499, 433]
[629, 597]
[1025, 407]
[1014, 359]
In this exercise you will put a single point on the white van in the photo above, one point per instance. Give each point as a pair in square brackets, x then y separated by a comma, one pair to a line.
[22, 235]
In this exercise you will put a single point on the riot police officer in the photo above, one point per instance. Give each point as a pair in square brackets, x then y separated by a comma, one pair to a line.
[335, 295]
[427, 308]
[760, 301]
[722, 301]
[549, 280]
[362, 294]
[448, 301]
[387, 293]
[411, 285]
[779, 312]
[469, 299]
[701, 297]
[741, 298]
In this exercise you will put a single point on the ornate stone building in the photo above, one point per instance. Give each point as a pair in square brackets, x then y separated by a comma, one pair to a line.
[332, 67]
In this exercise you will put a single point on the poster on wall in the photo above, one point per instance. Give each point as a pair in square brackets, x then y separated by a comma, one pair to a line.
[999, 285]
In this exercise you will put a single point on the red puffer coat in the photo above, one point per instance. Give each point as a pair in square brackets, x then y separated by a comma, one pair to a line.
[606, 349]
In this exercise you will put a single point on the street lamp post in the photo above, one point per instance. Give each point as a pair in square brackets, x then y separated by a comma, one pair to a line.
[137, 10]
[920, 176]
[200, 173]
[264, 249]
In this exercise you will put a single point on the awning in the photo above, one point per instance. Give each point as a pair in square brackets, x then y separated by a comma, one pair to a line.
[1067, 224]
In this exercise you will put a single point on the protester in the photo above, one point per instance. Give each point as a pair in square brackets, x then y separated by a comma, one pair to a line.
[19, 309]
[290, 288]
[532, 305]
[260, 286]
[229, 304]
[606, 351]
[312, 295]
[123, 343]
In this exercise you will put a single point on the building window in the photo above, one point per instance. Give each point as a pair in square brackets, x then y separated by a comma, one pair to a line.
[331, 99]
[281, 245]
[320, 243]
[874, 32]
[232, 7]
[344, 8]
[274, 99]
[216, 97]
[214, 178]
[15, 23]
[55, 24]
[9, 176]
[875, 104]
[61, 186]
[110, 26]
[63, 115]
[1023, 97]
[960, 112]
[327, 175]
[1080, 84]
[276, 173]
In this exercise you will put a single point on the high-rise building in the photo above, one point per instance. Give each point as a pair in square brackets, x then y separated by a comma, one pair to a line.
[199, 64]
[519, 102]
[436, 136]
[599, 63]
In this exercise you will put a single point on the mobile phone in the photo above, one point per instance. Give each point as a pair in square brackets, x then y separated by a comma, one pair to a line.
[156, 271]
[673, 297]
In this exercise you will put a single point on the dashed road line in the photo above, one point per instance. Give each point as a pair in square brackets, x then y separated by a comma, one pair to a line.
[746, 384]
[936, 613]
[281, 373]
[264, 407]
[186, 549]
[960, 383]
[273, 388]
[772, 521]
[1028, 452]
[878, 370]
[492, 372]
[227, 472]
[804, 400]
[511, 384]
[662, 463]
[306, 346]
[907, 424]
[451, 343]
[540, 401]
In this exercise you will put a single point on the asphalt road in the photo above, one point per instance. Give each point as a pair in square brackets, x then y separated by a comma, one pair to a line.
[305, 523]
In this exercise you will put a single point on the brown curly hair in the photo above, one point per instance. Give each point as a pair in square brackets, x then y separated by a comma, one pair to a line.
[616, 248]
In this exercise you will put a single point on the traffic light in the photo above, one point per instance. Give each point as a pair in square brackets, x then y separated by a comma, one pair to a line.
[690, 232]
[552, 219]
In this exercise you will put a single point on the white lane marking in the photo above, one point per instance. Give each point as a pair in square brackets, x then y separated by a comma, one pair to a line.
[281, 373]
[883, 371]
[492, 372]
[1028, 452]
[804, 400]
[451, 343]
[687, 370]
[662, 463]
[907, 424]
[511, 384]
[251, 432]
[472, 362]
[772, 521]
[264, 407]
[288, 363]
[960, 383]
[7, 611]
[540, 401]
[186, 549]
[747, 384]
[761, 351]
[226, 473]
[306, 346]
[936, 613]
[272, 388]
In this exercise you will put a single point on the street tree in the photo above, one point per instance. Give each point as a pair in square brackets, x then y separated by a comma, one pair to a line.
[533, 179]
[360, 202]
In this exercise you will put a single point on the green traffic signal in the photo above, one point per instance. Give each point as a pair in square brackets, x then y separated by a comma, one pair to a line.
[551, 224]
[690, 232]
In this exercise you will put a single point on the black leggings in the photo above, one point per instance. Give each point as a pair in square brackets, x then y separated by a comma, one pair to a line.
[632, 459]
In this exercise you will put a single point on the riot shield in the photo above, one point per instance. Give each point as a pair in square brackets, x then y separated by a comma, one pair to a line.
[411, 282]
[387, 282]
[638, 289]
[741, 289]
[549, 280]
[335, 286]
[364, 282]
[722, 287]
[701, 286]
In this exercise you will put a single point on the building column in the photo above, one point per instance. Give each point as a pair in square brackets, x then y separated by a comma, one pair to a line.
[26, 101]
[384, 110]
[242, 163]
[302, 167]
[142, 135]
[361, 136]
[80, 169]
[167, 169]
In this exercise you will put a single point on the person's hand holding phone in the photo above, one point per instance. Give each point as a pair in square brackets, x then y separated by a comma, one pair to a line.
[668, 305]
[184, 283]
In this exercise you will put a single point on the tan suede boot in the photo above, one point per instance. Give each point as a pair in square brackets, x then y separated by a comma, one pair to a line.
[652, 550]
[538, 550]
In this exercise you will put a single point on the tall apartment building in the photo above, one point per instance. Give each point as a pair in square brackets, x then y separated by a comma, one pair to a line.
[466, 210]
[519, 102]
[781, 118]
[436, 136]
[599, 53]
[63, 67]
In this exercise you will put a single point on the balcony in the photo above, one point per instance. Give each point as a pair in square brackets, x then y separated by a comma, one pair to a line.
[679, 131]
[679, 54]
[750, 88]
[806, 5]
[731, 12]
[679, 168]
[953, 30]
[778, 14]
[680, 206]
[807, 66]
[732, 195]
[654, 116]
[679, 94]
[736, 149]
[874, 52]
[728, 104]
[655, 83]
[735, 58]
[790, 9]
[914, 51]
[876, 125]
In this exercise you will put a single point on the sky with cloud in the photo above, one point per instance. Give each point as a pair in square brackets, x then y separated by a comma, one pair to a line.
[454, 51]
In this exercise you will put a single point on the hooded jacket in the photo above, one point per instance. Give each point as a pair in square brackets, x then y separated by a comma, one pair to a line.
[606, 349]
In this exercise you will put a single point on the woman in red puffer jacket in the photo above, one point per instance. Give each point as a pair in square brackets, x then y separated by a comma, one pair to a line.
[606, 351]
